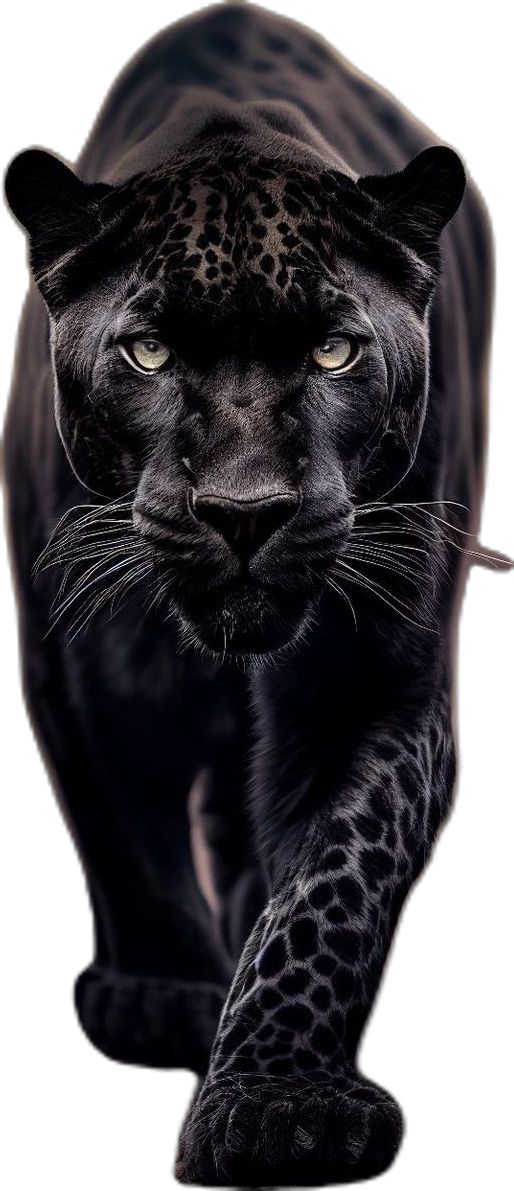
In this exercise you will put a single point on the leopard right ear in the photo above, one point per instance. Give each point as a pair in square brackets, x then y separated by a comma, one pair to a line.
[416, 203]
[58, 211]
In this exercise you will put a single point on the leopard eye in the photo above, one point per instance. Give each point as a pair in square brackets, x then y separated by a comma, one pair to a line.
[147, 355]
[336, 355]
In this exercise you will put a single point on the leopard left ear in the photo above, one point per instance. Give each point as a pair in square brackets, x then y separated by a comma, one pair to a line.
[55, 207]
[416, 203]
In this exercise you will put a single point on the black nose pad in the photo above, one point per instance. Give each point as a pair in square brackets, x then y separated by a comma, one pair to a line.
[245, 524]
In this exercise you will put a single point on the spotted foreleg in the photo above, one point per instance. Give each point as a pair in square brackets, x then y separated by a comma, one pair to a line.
[283, 1101]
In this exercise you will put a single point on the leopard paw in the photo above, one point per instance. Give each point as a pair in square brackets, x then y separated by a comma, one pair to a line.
[151, 1021]
[249, 1130]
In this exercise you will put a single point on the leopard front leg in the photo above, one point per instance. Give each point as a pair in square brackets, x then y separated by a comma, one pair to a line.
[283, 1101]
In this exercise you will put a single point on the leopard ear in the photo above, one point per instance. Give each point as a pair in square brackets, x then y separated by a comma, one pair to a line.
[416, 203]
[56, 209]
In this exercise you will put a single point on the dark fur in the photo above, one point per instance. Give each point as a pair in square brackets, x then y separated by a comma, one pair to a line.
[245, 193]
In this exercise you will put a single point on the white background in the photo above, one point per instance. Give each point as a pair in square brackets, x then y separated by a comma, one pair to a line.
[441, 1037]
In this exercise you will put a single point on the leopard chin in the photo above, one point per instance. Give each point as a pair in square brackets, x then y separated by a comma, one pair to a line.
[246, 621]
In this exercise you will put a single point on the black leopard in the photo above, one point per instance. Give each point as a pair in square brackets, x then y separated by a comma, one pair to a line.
[261, 313]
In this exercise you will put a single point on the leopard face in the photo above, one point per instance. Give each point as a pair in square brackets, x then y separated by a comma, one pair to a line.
[242, 346]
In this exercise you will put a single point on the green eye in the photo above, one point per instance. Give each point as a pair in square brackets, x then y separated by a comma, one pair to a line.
[148, 355]
[336, 355]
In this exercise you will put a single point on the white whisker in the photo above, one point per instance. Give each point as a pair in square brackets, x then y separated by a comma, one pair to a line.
[331, 582]
[118, 589]
[394, 602]
[83, 587]
[101, 558]
[379, 558]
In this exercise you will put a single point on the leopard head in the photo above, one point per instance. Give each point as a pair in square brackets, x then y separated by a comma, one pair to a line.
[241, 345]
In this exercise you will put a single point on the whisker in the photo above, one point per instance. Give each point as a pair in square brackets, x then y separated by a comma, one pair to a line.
[389, 550]
[101, 559]
[63, 532]
[68, 540]
[442, 537]
[72, 566]
[83, 587]
[431, 529]
[73, 561]
[331, 582]
[421, 506]
[393, 602]
[388, 531]
[91, 513]
[224, 650]
[112, 593]
[377, 560]
[159, 595]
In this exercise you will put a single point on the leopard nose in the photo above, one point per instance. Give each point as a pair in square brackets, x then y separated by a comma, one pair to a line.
[246, 524]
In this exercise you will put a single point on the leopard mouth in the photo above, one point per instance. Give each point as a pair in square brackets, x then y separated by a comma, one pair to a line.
[240, 614]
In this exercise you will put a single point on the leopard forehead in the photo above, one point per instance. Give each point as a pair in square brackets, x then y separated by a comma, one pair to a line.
[217, 224]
